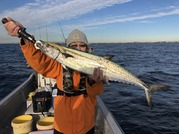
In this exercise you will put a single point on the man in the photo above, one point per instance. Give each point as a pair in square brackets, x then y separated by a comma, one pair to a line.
[73, 113]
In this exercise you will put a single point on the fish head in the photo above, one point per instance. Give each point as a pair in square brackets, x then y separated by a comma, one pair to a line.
[47, 48]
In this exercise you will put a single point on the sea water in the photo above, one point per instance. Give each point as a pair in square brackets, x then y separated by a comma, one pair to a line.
[153, 63]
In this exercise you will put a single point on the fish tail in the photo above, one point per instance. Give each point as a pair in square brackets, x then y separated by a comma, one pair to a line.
[149, 90]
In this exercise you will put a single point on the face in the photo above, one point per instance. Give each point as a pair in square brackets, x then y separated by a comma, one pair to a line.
[79, 46]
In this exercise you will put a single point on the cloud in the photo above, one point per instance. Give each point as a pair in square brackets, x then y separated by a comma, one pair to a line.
[146, 22]
[142, 18]
[44, 12]
[40, 13]
[47, 11]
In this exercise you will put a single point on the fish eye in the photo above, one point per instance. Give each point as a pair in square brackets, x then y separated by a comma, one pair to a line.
[38, 44]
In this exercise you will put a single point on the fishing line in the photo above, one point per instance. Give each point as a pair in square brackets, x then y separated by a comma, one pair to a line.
[61, 29]
[46, 33]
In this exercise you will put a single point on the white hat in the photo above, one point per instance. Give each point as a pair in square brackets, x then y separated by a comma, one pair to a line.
[76, 35]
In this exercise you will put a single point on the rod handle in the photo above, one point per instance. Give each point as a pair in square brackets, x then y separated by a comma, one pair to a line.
[21, 32]
[4, 20]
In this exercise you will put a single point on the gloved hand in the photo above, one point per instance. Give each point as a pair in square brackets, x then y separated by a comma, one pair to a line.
[12, 27]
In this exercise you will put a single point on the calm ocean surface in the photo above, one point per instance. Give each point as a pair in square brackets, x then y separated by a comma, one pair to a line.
[154, 63]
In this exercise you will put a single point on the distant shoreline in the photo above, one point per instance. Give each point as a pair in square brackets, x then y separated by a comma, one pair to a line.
[108, 42]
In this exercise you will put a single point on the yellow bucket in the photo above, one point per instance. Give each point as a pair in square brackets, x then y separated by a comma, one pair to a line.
[22, 124]
[45, 123]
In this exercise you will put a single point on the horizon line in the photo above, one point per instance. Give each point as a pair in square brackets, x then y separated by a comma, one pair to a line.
[105, 42]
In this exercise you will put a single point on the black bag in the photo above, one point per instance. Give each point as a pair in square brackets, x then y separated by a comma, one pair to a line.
[42, 101]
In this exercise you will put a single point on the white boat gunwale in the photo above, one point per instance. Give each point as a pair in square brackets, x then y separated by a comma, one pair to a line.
[15, 104]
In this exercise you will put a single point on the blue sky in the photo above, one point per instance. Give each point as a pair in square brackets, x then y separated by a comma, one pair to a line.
[101, 20]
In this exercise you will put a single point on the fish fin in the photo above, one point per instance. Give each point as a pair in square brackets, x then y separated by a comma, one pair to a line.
[158, 87]
[148, 94]
[108, 57]
[67, 55]
[64, 66]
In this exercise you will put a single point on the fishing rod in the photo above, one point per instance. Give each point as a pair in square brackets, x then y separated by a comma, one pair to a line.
[22, 33]
[61, 30]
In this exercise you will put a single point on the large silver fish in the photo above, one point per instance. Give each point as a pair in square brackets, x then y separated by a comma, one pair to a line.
[86, 62]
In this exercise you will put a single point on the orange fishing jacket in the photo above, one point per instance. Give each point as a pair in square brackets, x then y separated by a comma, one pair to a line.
[72, 115]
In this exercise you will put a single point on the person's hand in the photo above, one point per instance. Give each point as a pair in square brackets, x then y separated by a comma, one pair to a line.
[12, 27]
[97, 76]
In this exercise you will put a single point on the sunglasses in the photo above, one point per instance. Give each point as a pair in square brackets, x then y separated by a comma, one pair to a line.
[75, 45]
